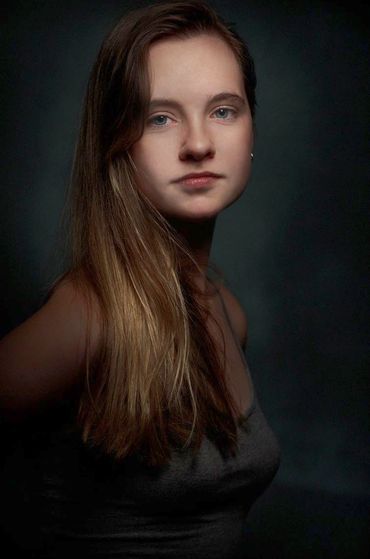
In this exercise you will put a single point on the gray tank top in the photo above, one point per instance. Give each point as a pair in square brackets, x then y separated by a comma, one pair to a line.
[58, 498]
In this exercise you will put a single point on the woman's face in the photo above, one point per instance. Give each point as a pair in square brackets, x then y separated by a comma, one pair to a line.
[199, 121]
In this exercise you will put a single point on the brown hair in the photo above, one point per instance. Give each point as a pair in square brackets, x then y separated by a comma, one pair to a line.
[157, 380]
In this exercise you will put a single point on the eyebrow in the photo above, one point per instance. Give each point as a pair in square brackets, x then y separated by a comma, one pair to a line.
[224, 96]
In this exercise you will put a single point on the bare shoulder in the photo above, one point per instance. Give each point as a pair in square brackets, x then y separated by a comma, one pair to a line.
[236, 313]
[42, 359]
[81, 311]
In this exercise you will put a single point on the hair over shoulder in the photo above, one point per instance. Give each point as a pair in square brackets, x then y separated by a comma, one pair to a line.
[157, 381]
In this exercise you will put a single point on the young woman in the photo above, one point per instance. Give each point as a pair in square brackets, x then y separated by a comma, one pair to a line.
[136, 431]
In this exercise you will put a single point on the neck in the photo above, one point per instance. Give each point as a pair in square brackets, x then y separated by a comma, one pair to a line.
[198, 239]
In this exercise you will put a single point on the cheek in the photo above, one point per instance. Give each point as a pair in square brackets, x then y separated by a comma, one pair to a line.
[239, 151]
[238, 155]
[148, 156]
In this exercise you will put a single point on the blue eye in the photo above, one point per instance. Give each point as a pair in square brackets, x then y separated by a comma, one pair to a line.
[158, 120]
[162, 121]
[224, 110]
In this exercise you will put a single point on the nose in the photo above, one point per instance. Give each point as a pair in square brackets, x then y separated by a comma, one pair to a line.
[197, 143]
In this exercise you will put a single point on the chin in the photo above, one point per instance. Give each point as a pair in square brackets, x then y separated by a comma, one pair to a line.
[201, 211]
[196, 216]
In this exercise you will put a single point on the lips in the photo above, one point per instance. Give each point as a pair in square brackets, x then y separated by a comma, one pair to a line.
[198, 176]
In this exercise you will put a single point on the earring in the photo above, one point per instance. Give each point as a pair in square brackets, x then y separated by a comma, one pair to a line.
[252, 156]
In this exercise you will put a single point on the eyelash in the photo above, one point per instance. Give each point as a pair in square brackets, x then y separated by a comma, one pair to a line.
[151, 123]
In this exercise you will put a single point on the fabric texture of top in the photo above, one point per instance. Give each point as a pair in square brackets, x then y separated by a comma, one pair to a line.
[58, 498]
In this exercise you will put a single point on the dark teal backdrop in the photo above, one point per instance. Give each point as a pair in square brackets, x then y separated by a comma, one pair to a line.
[293, 247]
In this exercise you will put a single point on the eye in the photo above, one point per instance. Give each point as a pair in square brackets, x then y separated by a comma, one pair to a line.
[225, 113]
[159, 121]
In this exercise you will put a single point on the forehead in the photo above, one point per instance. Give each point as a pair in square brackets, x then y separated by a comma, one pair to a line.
[203, 63]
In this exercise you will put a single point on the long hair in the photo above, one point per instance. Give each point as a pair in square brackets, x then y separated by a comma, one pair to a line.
[157, 381]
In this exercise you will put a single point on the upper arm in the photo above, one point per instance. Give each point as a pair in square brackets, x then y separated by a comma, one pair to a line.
[42, 359]
[237, 315]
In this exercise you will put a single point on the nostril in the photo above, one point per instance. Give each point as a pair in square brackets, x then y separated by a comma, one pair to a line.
[197, 152]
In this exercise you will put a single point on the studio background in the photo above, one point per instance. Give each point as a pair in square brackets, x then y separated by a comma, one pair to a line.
[292, 248]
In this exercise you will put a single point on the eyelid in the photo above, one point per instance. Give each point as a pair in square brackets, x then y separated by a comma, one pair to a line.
[152, 117]
[233, 110]
[159, 113]
[163, 113]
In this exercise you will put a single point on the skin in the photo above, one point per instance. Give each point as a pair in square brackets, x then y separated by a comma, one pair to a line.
[195, 136]
[41, 360]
